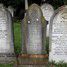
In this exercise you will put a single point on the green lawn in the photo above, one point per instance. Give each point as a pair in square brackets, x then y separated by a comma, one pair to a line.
[17, 37]
[6, 65]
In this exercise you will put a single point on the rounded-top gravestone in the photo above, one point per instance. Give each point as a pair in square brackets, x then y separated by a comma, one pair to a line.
[58, 36]
[6, 36]
[48, 11]
[34, 43]
[34, 40]
[33, 36]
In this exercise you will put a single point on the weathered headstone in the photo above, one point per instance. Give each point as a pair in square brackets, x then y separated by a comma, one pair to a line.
[6, 36]
[11, 10]
[48, 11]
[33, 35]
[34, 43]
[58, 36]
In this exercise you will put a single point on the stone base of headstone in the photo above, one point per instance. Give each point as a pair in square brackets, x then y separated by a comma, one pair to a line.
[7, 58]
[32, 59]
[32, 66]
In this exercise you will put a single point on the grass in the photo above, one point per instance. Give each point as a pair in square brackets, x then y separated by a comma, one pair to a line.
[6, 65]
[17, 37]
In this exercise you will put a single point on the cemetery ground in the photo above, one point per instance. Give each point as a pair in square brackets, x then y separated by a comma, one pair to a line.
[17, 41]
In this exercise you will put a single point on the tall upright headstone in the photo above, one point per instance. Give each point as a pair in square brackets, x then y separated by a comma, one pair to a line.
[58, 36]
[6, 36]
[34, 39]
[11, 10]
[48, 11]
[35, 30]
[34, 34]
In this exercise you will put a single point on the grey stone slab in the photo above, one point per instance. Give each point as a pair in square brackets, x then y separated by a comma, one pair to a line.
[35, 30]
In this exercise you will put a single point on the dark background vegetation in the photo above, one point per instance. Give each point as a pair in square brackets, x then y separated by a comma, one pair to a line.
[19, 5]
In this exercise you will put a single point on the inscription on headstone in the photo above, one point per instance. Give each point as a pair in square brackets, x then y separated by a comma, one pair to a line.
[48, 11]
[58, 36]
[6, 37]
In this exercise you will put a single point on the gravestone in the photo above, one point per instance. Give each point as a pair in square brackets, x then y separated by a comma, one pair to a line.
[33, 36]
[6, 36]
[48, 11]
[11, 10]
[34, 33]
[58, 36]
[34, 43]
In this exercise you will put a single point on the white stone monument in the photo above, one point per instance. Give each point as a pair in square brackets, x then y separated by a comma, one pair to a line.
[6, 36]
[11, 10]
[58, 36]
[48, 11]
